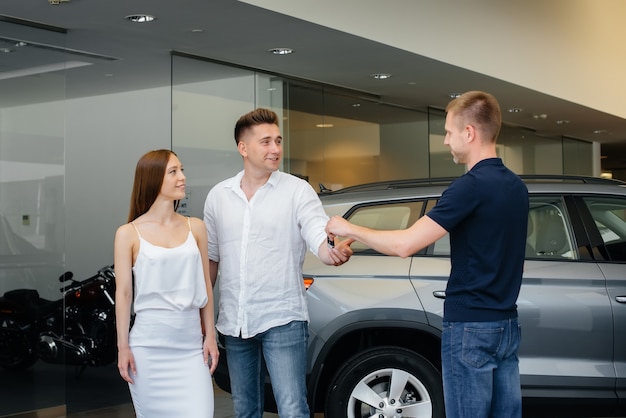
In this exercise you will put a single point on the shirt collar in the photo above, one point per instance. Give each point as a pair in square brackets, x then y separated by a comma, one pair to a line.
[236, 180]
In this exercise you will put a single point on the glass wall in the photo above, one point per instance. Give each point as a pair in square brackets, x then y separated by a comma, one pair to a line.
[207, 99]
[577, 157]
[32, 178]
[333, 138]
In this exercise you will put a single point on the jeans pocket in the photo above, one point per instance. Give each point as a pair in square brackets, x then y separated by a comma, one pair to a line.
[481, 345]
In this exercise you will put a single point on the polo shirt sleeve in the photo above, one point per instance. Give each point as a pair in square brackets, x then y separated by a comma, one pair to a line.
[455, 204]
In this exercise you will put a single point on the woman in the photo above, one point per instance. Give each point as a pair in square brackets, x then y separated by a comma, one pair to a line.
[164, 358]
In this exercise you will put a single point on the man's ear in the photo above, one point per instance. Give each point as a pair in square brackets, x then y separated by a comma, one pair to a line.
[470, 131]
[241, 147]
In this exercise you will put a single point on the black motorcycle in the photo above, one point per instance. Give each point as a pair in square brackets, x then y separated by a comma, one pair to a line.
[78, 329]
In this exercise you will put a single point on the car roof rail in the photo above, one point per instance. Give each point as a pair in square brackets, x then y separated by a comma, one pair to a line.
[569, 179]
[406, 183]
[392, 184]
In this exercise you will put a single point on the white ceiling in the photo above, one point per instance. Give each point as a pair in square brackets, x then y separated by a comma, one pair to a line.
[124, 56]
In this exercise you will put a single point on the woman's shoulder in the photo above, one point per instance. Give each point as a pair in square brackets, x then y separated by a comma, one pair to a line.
[197, 225]
[126, 233]
[125, 228]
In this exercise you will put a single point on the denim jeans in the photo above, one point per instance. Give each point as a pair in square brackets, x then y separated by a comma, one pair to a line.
[283, 350]
[481, 369]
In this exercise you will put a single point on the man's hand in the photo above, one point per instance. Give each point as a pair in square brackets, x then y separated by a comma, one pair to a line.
[338, 226]
[342, 251]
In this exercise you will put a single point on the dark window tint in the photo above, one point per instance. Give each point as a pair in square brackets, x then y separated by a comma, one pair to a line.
[609, 215]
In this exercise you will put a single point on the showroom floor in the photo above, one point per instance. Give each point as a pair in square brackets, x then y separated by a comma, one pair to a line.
[223, 409]
[97, 393]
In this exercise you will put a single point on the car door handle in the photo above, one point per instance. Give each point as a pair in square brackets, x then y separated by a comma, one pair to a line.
[620, 299]
[439, 294]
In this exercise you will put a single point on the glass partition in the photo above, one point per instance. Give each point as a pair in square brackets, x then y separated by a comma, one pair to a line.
[207, 99]
[333, 138]
[441, 162]
[577, 157]
[524, 152]
[32, 248]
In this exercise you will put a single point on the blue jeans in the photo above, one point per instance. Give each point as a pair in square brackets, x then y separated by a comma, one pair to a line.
[481, 369]
[283, 350]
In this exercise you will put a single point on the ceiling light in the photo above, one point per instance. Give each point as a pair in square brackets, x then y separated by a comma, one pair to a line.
[5, 50]
[324, 125]
[281, 51]
[562, 122]
[197, 30]
[381, 76]
[455, 95]
[140, 18]
[515, 110]
[600, 131]
[356, 104]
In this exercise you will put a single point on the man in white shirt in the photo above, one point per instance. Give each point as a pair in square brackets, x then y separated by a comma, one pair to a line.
[260, 223]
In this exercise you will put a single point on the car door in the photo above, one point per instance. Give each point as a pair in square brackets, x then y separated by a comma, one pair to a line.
[567, 327]
[566, 318]
[607, 232]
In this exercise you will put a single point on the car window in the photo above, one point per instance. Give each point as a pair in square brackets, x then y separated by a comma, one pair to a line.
[397, 215]
[609, 215]
[549, 235]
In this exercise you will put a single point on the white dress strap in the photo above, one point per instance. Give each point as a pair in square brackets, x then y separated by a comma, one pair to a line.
[136, 229]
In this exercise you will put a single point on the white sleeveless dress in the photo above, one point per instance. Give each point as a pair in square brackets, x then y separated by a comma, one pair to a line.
[166, 337]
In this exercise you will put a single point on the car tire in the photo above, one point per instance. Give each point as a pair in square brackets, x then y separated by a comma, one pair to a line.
[361, 387]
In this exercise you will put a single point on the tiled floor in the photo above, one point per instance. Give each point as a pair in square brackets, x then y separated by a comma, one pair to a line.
[223, 409]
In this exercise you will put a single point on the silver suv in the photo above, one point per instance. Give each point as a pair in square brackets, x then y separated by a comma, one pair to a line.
[375, 330]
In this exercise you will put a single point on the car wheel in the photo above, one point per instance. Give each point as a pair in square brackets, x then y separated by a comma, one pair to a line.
[386, 382]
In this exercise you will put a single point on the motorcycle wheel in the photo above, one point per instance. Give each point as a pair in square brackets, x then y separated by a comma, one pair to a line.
[17, 351]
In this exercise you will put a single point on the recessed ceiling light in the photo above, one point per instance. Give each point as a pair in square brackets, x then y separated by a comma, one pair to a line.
[381, 76]
[600, 131]
[356, 104]
[562, 122]
[515, 110]
[281, 51]
[197, 30]
[5, 50]
[324, 125]
[140, 18]
[455, 95]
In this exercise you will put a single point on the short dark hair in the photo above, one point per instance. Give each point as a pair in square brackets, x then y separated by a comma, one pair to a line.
[256, 117]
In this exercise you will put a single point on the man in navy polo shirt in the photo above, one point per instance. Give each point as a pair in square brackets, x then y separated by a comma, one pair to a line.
[486, 213]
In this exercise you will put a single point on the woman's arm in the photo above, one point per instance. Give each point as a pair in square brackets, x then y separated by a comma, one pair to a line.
[123, 264]
[211, 353]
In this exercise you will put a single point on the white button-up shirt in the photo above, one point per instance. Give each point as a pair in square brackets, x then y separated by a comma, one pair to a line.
[260, 247]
